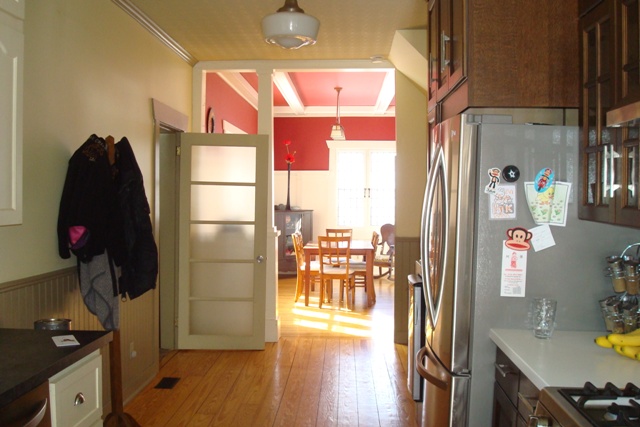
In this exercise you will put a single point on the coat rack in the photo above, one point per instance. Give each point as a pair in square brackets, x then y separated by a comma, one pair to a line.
[117, 417]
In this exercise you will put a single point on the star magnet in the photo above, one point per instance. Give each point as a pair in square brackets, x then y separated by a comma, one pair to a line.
[510, 173]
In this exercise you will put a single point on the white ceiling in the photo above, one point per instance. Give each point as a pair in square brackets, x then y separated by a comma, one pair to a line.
[229, 30]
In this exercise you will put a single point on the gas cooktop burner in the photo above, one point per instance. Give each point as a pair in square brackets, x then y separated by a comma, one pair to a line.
[608, 406]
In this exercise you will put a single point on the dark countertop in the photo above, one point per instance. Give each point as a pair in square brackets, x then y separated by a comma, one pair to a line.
[29, 357]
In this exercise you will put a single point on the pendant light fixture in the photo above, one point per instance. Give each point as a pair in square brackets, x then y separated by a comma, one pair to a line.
[337, 131]
[289, 27]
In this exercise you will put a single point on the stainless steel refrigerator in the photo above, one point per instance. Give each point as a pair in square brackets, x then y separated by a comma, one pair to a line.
[462, 243]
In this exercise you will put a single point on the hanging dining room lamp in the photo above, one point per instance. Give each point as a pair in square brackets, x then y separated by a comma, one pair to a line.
[337, 131]
[289, 27]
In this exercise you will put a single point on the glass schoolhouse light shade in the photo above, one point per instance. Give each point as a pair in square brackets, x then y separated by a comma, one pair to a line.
[337, 131]
[289, 27]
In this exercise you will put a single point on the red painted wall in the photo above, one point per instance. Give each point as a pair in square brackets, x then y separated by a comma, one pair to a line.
[308, 135]
[308, 138]
[228, 105]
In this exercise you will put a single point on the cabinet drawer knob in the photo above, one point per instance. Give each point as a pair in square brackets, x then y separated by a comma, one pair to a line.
[79, 399]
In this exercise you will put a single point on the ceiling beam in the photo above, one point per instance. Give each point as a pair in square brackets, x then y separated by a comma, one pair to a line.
[387, 92]
[284, 84]
[241, 86]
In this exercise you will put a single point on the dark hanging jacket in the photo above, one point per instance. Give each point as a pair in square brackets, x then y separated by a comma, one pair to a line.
[140, 266]
[89, 203]
[107, 203]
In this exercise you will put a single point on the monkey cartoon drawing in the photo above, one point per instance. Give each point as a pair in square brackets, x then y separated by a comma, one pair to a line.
[544, 179]
[494, 175]
[518, 238]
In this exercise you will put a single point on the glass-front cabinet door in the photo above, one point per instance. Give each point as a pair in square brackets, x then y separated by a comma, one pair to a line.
[610, 79]
[597, 151]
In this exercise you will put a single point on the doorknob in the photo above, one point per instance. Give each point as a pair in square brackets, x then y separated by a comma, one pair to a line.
[260, 259]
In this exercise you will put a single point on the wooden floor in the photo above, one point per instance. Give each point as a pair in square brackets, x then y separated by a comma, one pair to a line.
[331, 367]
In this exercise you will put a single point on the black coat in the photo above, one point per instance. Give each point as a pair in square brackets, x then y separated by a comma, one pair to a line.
[140, 266]
[89, 199]
[110, 203]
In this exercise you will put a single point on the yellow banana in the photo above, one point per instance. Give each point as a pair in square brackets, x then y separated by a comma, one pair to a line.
[625, 339]
[602, 341]
[618, 349]
[630, 351]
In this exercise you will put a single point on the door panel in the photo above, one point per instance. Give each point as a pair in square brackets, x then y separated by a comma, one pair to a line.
[222, 241]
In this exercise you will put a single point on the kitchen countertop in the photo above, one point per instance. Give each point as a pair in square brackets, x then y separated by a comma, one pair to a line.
[29, 357]
[567, 359]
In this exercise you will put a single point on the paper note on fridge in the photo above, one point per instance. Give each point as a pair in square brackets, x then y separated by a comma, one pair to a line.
[513, 281]
[548, 207]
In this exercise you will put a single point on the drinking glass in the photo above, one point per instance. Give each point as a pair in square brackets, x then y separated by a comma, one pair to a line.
[544, 317]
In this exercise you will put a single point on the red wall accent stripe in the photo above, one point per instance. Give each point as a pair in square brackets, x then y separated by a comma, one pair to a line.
[228, 105]
[309, 135]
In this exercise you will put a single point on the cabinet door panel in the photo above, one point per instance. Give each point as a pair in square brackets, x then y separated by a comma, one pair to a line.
[597, 43]
[629, 49]
[432, 43]
[628, 209]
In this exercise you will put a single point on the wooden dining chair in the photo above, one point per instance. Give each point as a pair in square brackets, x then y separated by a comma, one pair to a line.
[384, 258]
[360, 266]
[331, 251]
[339, 232]
[301, 265]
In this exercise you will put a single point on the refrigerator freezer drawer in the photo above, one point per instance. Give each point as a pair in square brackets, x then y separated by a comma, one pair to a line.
[446, 396]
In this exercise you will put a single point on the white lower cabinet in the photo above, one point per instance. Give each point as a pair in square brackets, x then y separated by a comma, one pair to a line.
[76, 393]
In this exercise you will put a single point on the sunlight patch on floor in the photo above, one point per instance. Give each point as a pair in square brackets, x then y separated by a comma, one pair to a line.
[332, 319]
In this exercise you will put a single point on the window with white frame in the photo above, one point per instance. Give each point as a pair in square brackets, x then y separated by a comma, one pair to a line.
[365, 184]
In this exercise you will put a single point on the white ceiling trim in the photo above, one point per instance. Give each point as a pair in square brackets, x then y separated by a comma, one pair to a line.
[140, 17]
[329, 111]
[284, 84]
[240, 85]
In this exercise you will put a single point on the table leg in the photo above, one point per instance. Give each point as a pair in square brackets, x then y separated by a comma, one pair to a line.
[371, 291]
[307, 277]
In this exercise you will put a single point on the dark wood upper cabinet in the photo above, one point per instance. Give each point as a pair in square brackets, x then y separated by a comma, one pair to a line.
[497, 53]
[609, 156]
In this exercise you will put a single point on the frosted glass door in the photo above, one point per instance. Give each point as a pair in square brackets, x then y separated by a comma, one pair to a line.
[222, 277]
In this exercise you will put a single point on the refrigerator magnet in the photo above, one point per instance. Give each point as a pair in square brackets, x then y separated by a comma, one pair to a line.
[494, 180]
[511, 173]
[502, 202]
[519, 238]
[544, 179]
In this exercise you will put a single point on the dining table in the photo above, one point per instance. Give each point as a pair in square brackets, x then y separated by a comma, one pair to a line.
[358, 247]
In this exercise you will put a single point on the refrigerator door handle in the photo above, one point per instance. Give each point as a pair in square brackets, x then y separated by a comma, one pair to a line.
[439, 167]
[437, 378]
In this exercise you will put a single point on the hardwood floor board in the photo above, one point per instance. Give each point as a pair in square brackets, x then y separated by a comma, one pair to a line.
[310, 394]
[273, 395]
[208, 396]
[291, 398]
[330, 367]
[347, 392]
[173, 399]
[252, 386]
[387, 389]
[226, 372]
[181, 365]
[365, 387]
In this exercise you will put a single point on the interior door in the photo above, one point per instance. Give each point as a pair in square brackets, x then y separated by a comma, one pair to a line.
[222, 241]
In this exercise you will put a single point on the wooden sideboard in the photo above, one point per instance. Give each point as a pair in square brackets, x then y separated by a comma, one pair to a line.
[288, 222]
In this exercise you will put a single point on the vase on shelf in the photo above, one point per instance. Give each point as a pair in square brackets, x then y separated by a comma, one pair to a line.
[288, 207]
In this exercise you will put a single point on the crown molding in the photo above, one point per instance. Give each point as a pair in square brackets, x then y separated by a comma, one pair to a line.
[154, 29]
